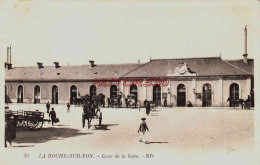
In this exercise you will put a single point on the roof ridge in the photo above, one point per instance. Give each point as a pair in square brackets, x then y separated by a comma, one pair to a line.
[191, 58]
[79, 65]
[236, 67]
[239, 59]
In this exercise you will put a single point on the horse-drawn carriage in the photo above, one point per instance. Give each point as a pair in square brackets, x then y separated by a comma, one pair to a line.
[91, 109]
[33, 120]
[115, 101]
[153, 105]
[131, 101]
[245, 104]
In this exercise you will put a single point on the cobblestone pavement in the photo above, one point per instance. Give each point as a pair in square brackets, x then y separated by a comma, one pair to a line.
[172, 130]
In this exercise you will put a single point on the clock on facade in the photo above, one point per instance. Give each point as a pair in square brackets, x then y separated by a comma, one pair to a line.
[182, 68]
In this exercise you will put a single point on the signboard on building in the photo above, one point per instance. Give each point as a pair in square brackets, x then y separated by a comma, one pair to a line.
[164, 95]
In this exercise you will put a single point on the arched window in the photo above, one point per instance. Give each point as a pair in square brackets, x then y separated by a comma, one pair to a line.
[37, 94]
[93, 91]
[55, 94]
[134, 91]
[207, 95]
[113, 91]
[73, 94]
[181, 95]
[20, 94]
[157, 94]
[233, 92]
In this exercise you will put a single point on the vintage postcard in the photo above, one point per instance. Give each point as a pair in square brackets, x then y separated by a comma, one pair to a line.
[129, 82]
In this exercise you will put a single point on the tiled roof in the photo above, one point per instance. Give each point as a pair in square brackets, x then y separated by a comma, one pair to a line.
[249, 66]
[212, 66]
[80, 72]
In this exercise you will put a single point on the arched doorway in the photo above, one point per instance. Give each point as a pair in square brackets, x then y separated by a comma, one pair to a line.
[207, 95]
[157, 94]
[55, 94]
[73, 94]
[37, 94]
[93, 91]
[133, 90]
[20, 94]
[181, 95]
[233, 93]
[113, 91]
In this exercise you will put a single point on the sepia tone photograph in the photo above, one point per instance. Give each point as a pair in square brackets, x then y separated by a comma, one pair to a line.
[123, 82]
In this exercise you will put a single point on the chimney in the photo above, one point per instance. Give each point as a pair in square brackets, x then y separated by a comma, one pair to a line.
[56, 64]
[7, 55]
[245, 54]
[10, 55]
[39, 65]
[91, 63]
[8, 66]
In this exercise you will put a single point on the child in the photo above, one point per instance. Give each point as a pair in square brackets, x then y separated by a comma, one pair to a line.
[142, 129]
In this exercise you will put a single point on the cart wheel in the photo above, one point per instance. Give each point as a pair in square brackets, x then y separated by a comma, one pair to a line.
[34, 123]
[100, 119]
[20, 123]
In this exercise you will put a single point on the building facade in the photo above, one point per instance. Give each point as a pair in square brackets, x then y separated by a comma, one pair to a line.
[181, 82]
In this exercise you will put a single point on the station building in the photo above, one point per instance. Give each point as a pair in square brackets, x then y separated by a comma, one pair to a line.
[200, 82]
[197, 81]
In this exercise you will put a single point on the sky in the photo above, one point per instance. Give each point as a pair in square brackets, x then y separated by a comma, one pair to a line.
[72, 33]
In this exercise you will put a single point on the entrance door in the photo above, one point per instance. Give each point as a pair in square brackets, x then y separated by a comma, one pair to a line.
[181, 95]
[157, 94]
[233, 93]
[55, 95]
[37, 94]
[133, 90]
[20, 94]
[113, 91]
[93, 91]
[207, 95]
[73, 94]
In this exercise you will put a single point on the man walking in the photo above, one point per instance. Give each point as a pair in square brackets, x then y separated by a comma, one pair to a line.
[148, 108]
[165, 102]
[68, 106]
[52, 115]
[48, 106]
[142, 129]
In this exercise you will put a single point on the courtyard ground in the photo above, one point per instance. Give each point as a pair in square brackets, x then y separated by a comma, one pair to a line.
[175, 133]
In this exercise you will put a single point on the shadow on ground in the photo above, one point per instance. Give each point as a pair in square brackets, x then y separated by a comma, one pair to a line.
[155, 142]
[23, 135]
[103, 126]
[22, 146]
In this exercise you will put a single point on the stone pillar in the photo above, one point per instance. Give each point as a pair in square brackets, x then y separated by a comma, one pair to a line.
[248, 88]
[144, 93]
[220, 92]
[169, 94]
[122, 89]
[193, 86]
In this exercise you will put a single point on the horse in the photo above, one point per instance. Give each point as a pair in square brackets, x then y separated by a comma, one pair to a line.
[87, 114]
[236, 101]
[91, 108]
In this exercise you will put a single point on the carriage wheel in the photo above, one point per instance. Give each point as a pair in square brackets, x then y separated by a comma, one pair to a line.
[34, 123]
[20, 123]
